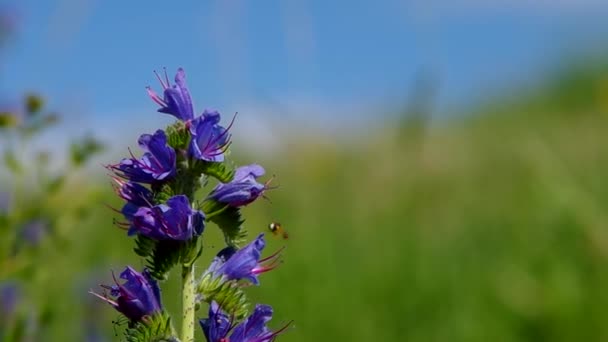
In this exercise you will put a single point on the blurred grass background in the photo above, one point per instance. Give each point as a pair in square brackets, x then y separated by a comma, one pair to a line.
[489, 227]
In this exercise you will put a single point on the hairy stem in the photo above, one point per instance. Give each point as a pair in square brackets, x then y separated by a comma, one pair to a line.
[187, 303]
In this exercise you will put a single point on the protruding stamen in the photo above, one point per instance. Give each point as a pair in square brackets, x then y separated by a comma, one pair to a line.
[106, 299]
[275, 254]
[155, 97]
[165, 86]
[275, 333]
[167, 77]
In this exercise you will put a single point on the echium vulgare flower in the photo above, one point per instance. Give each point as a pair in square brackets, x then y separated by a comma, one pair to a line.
[252, 329]
[156, 164]
[244, 263]
[209, 139]
[137, 297]
[136, 196]
[175, 220]
[243, 189]
[176, 99]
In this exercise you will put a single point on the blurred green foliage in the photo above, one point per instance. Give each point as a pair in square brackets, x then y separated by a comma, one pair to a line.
[489, 227]
[37, 218]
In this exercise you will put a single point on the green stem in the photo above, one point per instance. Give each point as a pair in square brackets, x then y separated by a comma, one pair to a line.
[187, 303]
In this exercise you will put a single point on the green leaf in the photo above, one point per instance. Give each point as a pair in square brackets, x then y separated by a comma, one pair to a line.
[223, 172]
[144, 246]
[166, 254]
[228, 219]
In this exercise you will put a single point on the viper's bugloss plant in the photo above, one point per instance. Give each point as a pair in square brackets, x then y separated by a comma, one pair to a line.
[167, 218]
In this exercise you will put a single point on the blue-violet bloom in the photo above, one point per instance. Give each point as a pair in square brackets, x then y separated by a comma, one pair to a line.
[10, 295]
[137, 297]
[217, 326]
[176, 99]
[243, 189]
[209, 139]
[245, 263]
[175, 220]
[136, 196]
[33, 231]
[253, 329]
[156, 164]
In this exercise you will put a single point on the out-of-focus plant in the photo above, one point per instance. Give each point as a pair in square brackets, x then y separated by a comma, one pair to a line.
[28, 220]
[167, 219]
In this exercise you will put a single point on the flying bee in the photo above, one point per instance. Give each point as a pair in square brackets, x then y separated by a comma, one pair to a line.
[277, 230]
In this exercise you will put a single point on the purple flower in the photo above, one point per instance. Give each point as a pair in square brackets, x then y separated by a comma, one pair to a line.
[176, 99]
[243, 189]
[217, 326]
[156, 164]
[252, 329]
[33, 231]
[136, 196]
[172, 221]
[244, 263]
[9, 297]
[209, 139]
[139, 296]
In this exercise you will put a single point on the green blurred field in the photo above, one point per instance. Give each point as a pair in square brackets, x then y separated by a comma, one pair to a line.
[492, 227]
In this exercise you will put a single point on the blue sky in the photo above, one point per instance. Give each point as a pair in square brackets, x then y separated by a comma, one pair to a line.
[311, 61]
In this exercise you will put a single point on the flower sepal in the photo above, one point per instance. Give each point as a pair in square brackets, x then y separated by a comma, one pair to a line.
[229, 293]
[178, 135]
[156, 328]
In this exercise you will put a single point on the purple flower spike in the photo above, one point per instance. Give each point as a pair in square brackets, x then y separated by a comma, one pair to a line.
[209, 139]
[252, 329]
[244, 263]
[172, 221]
[139, 296]
[156, 164]
[243, 189]
[176, 99]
